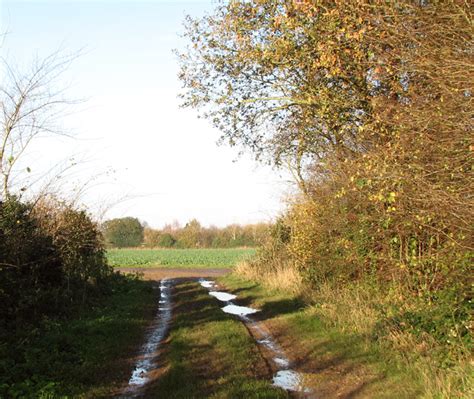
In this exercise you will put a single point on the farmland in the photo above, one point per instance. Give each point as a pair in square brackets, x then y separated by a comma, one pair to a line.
[211, 258]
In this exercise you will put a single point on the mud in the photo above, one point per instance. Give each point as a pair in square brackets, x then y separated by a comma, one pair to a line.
[159, 273]
[146, 362]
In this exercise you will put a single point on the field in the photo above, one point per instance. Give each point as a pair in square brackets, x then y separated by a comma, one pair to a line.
[211, 258]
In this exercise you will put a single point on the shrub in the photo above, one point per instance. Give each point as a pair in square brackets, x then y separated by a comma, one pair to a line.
[79, 242]
[51, 257]
[31, 272]
[166, 240]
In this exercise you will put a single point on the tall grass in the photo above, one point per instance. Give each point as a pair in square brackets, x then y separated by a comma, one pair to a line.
[281, 278]
[363, 310]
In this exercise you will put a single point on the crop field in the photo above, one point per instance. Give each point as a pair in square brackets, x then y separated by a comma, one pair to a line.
[211, 258]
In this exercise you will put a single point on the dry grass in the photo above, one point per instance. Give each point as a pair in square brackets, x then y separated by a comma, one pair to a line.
[350, 310]
[355, 310]
[358, 310]
[283, 277]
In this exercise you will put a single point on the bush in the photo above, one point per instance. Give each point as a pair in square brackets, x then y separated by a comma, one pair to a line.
[31, 271]
[166, 240]
[370, 104]
[51, 257]
[79, 242]
[150, 237]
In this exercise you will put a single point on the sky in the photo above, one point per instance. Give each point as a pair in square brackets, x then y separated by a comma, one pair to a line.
[138, 153]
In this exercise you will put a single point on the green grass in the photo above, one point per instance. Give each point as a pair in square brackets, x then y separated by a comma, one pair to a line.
[211, 258]
[87, 356]
[339, 356]
[210, 354]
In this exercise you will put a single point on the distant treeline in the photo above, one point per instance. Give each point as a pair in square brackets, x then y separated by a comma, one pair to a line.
[130, 232]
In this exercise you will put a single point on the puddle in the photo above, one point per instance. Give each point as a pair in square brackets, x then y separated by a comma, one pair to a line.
[206, 283]
[285, 377]
[239, 310]
[282, 362]
[289, 380]
[146, 363]
[222, 296]
[226, 297]
[268, 343]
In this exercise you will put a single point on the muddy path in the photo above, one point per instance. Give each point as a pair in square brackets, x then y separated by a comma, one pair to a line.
[159, 273]
[194, 360]
[282, 370]
[189, 300]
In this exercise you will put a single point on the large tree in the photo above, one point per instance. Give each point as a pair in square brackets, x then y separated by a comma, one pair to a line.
[387, 84]
[288, 80]
[123, 232]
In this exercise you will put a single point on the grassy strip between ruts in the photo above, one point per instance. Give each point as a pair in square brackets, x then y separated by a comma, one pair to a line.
[88, 356]
[335, 363]
[209, 354]
[203, 258]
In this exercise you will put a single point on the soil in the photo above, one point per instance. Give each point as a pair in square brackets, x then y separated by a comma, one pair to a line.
[158, 273]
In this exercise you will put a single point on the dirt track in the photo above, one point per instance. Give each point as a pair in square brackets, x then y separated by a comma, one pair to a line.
[328, 375]
[158, 273]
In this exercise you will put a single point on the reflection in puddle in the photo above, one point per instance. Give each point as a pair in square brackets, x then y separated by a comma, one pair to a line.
[146, 363]
[267, 341]
[206, 283]
[238, 310]
[289, 380]
[281, 362]
[222, 296]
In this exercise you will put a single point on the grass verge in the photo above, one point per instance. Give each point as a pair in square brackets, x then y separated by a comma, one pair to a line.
[88, 356]
[336, 361]
[431, 342]
[209, 353]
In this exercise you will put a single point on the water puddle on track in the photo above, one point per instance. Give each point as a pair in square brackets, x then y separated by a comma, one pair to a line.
[289, 380]
[285, 377]
[241, 311]
[206, 283]
[222, 296]
[146, 362]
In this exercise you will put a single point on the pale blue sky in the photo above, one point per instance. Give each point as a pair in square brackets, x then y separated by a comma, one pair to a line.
[163, 158]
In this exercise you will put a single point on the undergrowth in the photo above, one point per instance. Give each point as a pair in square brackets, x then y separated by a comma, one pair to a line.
[84, 355]
[431, 341]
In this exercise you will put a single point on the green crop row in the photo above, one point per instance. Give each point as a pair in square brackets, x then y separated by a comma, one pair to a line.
[137, 257]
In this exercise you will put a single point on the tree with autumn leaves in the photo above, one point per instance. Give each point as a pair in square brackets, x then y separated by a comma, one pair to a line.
[369, 103]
